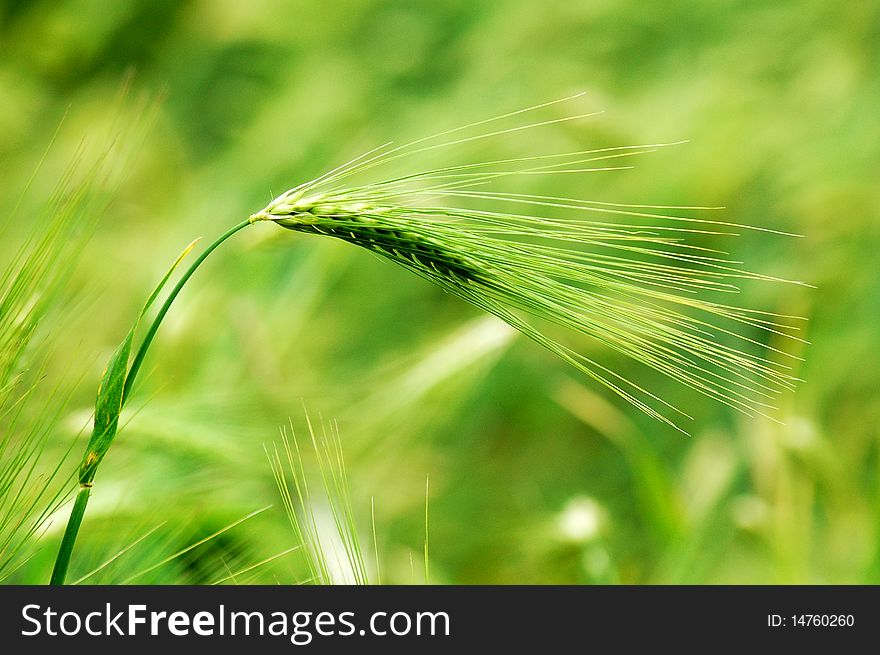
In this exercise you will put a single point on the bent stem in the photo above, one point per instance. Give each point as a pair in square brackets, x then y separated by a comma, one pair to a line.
[148, 339]
[62, 561]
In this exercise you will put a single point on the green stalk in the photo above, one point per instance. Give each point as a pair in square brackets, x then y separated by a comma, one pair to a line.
[148, 339]
[73, 523]
[62, 561]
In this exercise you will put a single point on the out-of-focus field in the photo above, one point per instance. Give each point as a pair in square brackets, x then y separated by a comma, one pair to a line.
[536, 476]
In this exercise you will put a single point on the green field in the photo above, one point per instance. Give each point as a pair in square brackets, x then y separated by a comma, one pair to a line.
[165, 121]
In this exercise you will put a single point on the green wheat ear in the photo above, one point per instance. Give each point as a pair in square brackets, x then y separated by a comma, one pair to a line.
[632, 281]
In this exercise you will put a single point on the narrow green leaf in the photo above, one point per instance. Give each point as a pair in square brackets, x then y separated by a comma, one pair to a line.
[109, 402]
[164, 280]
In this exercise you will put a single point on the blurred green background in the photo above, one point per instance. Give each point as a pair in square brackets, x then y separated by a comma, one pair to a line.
[536, 476]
